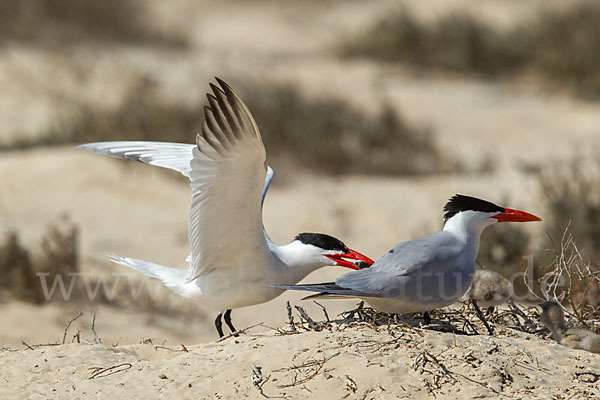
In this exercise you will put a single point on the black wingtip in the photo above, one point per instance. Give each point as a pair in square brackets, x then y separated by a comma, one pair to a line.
[229, 92]
[221, 82]
[216, 90]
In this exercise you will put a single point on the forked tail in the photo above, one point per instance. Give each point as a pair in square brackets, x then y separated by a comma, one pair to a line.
[173, 278]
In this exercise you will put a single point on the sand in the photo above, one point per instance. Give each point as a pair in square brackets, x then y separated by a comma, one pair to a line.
[341, 362]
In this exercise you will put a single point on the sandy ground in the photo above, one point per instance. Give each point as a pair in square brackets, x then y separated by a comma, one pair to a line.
[139, 211]
[343, 362]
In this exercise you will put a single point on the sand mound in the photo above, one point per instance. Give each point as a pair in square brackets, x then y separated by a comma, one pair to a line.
[342, 362]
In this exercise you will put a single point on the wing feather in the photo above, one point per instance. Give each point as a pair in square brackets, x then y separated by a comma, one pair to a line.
[175, 156]
[227, 179]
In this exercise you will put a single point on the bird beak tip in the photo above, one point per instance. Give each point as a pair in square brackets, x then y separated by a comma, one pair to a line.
[360, 260]
[510, 215]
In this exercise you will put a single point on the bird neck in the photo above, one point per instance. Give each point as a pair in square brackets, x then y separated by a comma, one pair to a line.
[299, 260]
[467, 227]
[556, 332]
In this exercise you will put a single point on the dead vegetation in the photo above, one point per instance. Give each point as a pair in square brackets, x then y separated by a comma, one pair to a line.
[324, 135]
[573, 281]
[330, 136]
[20, 267]
[571, 192]
[561, 47]
[51, 271]
[68, 22]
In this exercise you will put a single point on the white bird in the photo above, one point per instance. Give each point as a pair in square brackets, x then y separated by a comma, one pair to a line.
[233, 262]
[488, 289]
[553, 318]
[427, 273]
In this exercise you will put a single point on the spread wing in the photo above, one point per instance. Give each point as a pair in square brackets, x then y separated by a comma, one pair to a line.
[228, 172]
[175, 156]
[228, 175]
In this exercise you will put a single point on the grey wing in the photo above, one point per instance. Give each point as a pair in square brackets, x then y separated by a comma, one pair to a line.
[328, 289]
[391, 273]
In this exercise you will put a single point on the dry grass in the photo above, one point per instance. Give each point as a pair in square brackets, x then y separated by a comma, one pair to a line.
[19, 266]
[561, 47]
[574, 281]
[32, 274]
[571, 193]
[66, 22]
[330, 136]
[327, 136]
[456, 43]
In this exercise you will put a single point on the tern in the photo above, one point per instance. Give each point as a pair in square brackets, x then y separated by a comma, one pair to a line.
[233, 262]
[489, 289]
[553, 317]
[427, 273]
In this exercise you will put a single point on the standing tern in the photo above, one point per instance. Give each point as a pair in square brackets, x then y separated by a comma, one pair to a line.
[233, 262]
[427, 273]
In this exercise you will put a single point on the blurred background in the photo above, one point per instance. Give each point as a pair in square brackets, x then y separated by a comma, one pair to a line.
[373, 115]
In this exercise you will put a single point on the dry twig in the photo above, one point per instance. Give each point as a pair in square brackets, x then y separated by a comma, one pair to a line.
[310, 369]
[237, 332]
[290, 317]
[101, 372]
[97, 340]
[69, 325]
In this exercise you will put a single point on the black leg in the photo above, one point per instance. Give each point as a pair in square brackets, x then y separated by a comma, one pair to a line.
[482, 318]
[426, 318]
[219, 325]
[227, 317]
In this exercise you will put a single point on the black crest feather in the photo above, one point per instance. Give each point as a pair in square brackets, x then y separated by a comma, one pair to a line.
[323, 241]
[460, 202]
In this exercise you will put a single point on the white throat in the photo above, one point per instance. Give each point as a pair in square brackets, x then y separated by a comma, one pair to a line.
[468, 226]
[299, 259]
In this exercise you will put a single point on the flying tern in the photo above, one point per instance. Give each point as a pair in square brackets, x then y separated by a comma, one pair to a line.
[427, 273]
[233, 262]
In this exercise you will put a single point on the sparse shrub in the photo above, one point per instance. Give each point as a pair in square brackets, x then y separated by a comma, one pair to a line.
[560, 46]
[456, 42]
[573, 280]
[571, 193]
[330, 136]
[323, 135]
[142, 116]
[19, 266]
[16, 271]
[564, 47]
[60, 22]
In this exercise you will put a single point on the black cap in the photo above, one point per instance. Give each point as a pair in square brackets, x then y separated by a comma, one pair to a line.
[322, 241]
[460, 202]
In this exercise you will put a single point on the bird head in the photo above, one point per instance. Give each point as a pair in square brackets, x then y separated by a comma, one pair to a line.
[552, 315]
[474, 211]
[325, 250]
